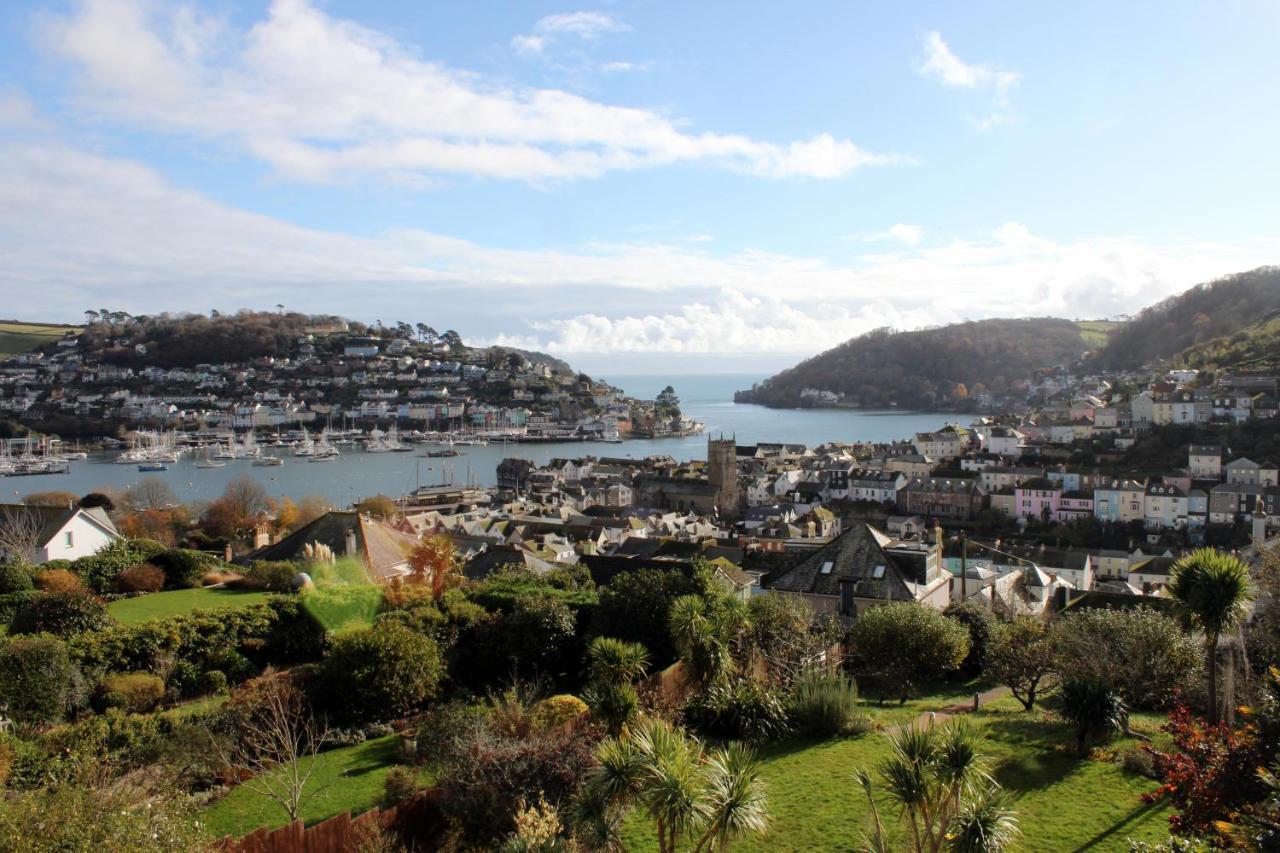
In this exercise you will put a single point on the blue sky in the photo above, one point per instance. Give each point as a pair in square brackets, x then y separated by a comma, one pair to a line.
[634, 185]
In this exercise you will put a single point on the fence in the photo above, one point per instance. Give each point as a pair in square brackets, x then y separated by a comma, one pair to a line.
[339, 834]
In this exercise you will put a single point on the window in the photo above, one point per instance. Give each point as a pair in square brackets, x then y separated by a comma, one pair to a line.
[878, 572]
[827, 566]
[70, 540]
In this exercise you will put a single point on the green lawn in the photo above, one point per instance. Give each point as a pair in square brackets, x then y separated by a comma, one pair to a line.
[1096, 333]
[1063, 803]
[23, 337]
[177, 602]
[347, 779]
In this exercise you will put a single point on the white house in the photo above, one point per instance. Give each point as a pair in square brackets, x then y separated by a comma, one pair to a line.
[53, 533]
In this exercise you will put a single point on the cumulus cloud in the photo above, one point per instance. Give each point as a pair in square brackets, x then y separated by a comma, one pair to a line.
[138, 243]
[941, 64]
[323, 99]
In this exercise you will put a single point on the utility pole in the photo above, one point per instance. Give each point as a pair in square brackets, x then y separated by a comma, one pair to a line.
[964, 579]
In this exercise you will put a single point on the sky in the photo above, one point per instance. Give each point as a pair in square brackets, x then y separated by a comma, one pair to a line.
[634, 186]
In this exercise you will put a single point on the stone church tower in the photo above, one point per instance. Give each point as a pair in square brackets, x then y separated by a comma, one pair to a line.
[722, 473]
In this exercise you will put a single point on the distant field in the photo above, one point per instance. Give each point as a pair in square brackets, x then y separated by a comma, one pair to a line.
[179, 602]
[1096, 333]
[24, 337]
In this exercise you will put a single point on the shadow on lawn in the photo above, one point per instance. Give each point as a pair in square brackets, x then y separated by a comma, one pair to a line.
[1137, 814]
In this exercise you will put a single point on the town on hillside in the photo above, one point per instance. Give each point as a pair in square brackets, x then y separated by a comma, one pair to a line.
[212, 380]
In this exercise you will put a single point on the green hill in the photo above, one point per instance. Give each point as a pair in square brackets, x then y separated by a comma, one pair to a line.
[16, 337]
[934, 368]
[1226, 308]
[1252, 348]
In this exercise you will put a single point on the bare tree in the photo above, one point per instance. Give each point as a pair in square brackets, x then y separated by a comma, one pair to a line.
[276, 746]
[150, 493]
[20, 528]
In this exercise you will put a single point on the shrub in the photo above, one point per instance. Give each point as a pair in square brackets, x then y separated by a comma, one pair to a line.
[234, 666]
[62, 614]
[1140, 653]
[380, 673]
[99, 571]
[143, 577]
[402, 783]
[58, 580]
[138, 692]
[825, 705]
[36, 679]
[276, 576]
[738, 709]
[557, 711]
[12, 602]
[1138, 762]
[184, 679]
[183, 569]
[15, 577]
[613, 704]
[487, 778]
[895, 648]
[444, 730]
[982, 626]
[213, 681]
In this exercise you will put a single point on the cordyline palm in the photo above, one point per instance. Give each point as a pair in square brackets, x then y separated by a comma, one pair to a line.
[705, 632]
[940, 785]
[709, 798]
[1213, 590]
[615, 661]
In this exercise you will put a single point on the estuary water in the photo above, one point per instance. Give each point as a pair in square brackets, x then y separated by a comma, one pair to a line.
[356, 474]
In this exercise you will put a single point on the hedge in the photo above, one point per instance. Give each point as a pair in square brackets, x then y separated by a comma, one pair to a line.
[276, 631]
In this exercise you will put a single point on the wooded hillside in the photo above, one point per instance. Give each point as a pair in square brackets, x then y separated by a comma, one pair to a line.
[931, 368]
[1224, 307]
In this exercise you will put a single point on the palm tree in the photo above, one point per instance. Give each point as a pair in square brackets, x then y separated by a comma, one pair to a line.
[710, 798]
[1092, 707]
[940, 785]
[617, 661]
[1213, 590]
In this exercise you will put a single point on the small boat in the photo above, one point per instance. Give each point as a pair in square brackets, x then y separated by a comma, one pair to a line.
[267, 461]
[153, 466]
[325, 457]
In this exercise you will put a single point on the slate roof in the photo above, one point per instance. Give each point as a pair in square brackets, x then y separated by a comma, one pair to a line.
[382, 547]
[855, 556]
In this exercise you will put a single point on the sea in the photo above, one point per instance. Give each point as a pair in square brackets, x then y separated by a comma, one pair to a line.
[356, 475]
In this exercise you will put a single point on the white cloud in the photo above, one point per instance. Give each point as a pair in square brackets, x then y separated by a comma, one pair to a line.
[80, 229]
[622, 67]
[899, 232]
[17, 111]
[324, 99]
[941, 64]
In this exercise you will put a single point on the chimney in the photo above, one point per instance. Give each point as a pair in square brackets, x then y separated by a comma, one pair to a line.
[261, 536]
[937, 534]
[226, 553]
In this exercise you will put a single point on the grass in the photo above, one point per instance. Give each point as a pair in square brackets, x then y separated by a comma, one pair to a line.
[1096, 333]
[347, 779]
[178, 602]
[1063, 803]
[23, 337]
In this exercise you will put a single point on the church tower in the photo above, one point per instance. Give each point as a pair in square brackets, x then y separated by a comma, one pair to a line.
[722, 473]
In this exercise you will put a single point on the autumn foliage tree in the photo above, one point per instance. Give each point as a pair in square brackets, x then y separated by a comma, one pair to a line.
[434, 564]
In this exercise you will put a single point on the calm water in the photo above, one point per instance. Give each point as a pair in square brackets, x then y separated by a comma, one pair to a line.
[356, 474]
